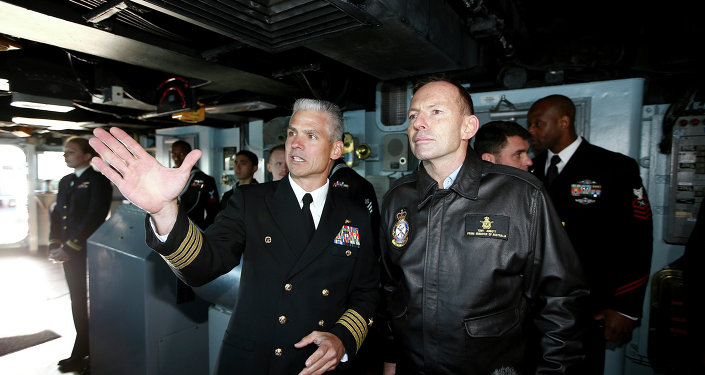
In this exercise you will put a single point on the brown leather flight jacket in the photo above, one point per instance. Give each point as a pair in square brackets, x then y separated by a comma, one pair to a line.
[480, 277]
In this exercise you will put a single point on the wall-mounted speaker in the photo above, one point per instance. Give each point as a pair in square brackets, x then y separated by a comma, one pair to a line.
[395, 152]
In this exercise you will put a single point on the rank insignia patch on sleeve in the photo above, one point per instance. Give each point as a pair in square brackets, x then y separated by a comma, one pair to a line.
[348, 236]
[640, 204]
[400, 231]
[489, 226]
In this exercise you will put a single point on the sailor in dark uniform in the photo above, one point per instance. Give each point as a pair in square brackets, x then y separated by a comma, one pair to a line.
[309, 282]
[200, 195]
[82, 204]
[602, 202]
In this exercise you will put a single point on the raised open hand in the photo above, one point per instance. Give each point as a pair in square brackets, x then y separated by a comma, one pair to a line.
[141, 179]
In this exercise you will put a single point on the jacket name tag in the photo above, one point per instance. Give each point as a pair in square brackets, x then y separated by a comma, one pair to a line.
[488, 226]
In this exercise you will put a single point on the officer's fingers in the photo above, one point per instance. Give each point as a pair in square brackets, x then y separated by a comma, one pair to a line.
[306, 340]
[129, 145]
[314, 362]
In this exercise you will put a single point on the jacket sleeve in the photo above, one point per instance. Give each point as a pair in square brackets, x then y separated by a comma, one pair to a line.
[363, 295]
[98, 208]
[198, 257]
[632, 262]
[557, 291]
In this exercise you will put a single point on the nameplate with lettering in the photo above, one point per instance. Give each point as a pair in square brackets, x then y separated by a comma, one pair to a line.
[488, 226]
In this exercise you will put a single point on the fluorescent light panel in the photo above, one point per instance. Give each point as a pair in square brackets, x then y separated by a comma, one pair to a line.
[51, 124]
[41, 103]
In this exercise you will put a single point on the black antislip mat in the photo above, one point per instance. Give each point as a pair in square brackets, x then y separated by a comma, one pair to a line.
[16, 343]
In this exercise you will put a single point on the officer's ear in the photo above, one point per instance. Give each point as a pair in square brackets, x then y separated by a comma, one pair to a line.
[470, 126]
[488, 157]
[337, 150]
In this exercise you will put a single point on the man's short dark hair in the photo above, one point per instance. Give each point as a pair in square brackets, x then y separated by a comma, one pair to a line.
[492, 137]
[184, 144]
[464, 94]
[564, 105]
[248, 154]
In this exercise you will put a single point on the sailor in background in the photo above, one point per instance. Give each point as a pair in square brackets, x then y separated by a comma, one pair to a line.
[200, 195]
[602, 202]
[82, 204]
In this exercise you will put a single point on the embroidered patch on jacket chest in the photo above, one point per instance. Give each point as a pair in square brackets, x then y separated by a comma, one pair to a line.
[489, 226]
[400, 230]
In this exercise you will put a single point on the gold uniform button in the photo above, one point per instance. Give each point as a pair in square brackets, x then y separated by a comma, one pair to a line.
[321, 323]
[288, 287]
[325, 292]
[278, 352]
[348, 253]
[65, 206]
[282, 319]
[65, 227]
[268, 239]
[64, 217]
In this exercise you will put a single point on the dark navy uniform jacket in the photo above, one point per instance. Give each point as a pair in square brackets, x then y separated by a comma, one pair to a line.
[200, 199]
[602, 202]
[288, 287]
[82, 205]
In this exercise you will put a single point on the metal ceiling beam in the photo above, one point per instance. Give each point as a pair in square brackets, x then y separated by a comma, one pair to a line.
[27, 24]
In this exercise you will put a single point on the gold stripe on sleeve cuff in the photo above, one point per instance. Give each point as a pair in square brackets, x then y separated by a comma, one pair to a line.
[74, 245]
[355, 323]
[189, 248]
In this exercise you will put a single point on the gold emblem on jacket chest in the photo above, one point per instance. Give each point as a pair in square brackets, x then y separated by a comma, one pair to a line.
[487, 224]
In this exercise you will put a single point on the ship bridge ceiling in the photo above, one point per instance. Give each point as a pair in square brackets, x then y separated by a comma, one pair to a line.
[135, 63]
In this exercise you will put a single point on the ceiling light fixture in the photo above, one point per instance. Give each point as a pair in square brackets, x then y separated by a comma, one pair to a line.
[41, 103]
[253, 105]
[51, 124]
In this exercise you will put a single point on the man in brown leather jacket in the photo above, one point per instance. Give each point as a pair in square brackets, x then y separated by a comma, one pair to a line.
[481, 277]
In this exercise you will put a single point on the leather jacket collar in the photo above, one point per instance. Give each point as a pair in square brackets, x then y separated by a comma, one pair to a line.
[467, 184]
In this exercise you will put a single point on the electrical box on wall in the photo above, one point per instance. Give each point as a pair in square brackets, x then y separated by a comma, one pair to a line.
[687, 187]
[395, 152]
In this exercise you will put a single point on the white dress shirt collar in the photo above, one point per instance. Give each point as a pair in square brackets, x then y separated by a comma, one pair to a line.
[79, 171]
[319, 198]
[565, 155]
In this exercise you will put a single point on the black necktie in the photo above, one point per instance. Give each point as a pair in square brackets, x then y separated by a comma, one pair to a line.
[308, 218]
[552, 170]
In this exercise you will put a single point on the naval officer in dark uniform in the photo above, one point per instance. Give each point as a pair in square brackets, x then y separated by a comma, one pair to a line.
[309, 282]
[603, 205]
[82, 204]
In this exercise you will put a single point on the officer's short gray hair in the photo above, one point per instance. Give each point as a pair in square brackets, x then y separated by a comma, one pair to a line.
[335, 115]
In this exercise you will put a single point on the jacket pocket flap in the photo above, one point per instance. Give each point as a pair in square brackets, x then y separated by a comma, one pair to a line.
[493, 325]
